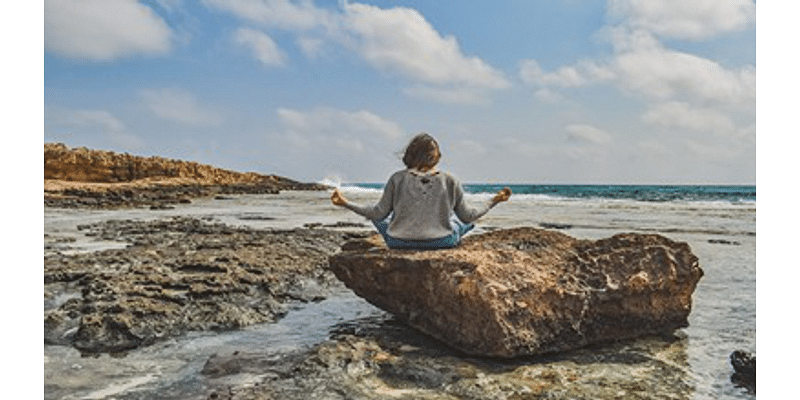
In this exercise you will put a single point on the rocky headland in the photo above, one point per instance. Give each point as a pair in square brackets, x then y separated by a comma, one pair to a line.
[525, 291]
[85, 178]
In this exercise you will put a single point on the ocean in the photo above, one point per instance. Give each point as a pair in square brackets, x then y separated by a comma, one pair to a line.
[718, 222]
[645, 193]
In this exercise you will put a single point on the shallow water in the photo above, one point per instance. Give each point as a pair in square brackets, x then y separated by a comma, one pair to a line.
[723, 319]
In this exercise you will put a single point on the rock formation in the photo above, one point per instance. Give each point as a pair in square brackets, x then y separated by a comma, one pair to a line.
[744, 369]
[528, 291]
[179, 275]
[81, 177]
[85, 165]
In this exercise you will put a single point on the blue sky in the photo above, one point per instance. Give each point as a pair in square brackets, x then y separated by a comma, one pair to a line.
[617, 91]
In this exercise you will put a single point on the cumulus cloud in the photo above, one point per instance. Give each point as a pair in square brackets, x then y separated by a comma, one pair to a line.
[587, 134]
[401, 40]
[96, 126]
[397, 41]
[548, 95]
[580, 74]
[686, 19]
[178, 105]
[469, 147]
[531, 72]
[654, 70]
[332, 123]
[449, 95]
[312, 47]
[354, 143]
[280, 14]
[645, 66]
[103, 30]
[262, 46]
[91, 118]
[682, 115]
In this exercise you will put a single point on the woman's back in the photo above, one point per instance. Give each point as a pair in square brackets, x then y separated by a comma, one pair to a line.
[418, 203]
[422, 204]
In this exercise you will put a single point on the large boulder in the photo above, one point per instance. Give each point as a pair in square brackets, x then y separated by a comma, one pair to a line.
[528, 291]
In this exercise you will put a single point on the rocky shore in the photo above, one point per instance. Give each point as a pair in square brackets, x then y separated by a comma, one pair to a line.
[385, 359]
[85, 178]
[180, 275]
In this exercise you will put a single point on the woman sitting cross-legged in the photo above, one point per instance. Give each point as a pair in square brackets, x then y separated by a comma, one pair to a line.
[421, 207]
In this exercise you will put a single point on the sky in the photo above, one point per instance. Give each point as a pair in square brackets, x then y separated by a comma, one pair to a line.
[540, 91]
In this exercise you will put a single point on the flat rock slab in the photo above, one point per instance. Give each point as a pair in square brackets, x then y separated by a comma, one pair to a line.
[178, 275]
[528, 291]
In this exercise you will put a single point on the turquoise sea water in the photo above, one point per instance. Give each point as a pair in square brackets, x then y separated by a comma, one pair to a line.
[650, 193]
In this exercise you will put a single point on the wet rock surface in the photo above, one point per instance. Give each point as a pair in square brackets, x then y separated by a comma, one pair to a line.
[744, 370]
[161, 197]
[178, 275]
[528, 291]
[382, 358]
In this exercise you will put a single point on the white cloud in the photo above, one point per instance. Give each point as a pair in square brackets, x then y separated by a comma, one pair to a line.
[663, 73]
[103, 30]
[96, 126]
[178, 105]
[397, 41]
[329, 123]
[90, 118]
[312, 47]
[580, 74]
[447, 95]
[401, 40]
[588, 134]
[261, 45]
[281, 14]
[644, 66]
[170, 5]
[548, 96]
[356, 143]
[469, 147]
[531, 72]
[681, 115]
[686, 19]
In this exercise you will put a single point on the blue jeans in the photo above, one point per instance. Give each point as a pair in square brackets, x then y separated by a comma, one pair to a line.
[449, 241]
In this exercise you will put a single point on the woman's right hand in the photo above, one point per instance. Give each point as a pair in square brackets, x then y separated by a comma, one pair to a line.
[502, 195]
[337, 198]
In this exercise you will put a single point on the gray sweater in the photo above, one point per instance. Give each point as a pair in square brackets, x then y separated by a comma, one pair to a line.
[422, 205]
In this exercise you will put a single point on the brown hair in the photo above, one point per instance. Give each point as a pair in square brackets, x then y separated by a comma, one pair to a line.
[422, 152]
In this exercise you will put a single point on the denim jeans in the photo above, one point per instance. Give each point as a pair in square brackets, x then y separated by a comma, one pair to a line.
[449, 241]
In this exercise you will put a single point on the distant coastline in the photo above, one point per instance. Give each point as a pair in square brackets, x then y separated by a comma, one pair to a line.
[86, 178]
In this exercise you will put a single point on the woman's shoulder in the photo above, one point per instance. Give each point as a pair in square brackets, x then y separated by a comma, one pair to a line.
[398, 174]
[448, 176]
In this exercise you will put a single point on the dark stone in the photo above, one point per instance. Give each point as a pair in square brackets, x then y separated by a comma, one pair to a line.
[744, 370]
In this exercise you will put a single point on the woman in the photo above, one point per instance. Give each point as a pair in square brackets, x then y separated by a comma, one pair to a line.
[418, 203]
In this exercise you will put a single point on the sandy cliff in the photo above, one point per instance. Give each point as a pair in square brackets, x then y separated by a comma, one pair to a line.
[81, 177]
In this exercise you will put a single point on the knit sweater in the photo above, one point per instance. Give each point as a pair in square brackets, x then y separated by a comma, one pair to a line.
[422, 204]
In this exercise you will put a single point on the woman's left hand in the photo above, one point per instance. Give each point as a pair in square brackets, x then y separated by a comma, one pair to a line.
[337, 198]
